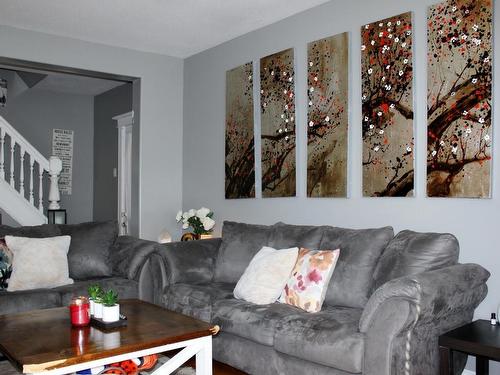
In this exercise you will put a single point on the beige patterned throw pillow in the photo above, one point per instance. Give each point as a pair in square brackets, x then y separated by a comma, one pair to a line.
[266, 275]
[306, 287]
[38, 262]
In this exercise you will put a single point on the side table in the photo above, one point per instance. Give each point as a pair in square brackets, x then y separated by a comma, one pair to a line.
[479, 338]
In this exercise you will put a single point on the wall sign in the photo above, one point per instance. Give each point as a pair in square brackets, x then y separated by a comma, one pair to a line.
[3, 92]
[62, 147]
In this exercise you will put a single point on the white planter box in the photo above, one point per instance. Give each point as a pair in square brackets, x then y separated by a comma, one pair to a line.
[111, 313]
[98, 310]
[91, 303]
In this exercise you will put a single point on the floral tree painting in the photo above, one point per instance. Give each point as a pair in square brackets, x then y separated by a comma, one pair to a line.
[240, 156]
[387, 106]
[459, 99]
[277, 103]
[327, 116]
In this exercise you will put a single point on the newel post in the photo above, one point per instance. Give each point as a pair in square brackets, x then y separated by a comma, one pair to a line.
[55, 168]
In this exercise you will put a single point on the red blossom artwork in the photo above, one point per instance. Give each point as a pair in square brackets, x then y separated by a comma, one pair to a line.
[277, 103]
[459, 99]
[387, 106]
[240, 157]
[327, 116]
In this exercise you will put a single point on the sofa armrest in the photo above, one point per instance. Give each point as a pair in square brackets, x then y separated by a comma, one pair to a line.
[190, 261]
[129, 255]
[404, 317]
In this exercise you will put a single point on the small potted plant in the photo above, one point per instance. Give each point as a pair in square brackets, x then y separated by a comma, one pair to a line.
[94, 292]
[110, 307]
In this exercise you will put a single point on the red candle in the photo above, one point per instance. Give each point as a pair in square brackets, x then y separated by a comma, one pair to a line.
[79, 310]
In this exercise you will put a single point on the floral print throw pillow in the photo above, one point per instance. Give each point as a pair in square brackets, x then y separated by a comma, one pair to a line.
[309, 280]
[5, 264]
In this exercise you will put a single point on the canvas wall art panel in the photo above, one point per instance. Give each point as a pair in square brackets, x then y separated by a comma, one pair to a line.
[327, 116]
[277, 103]
[387, 107]
[240, 155]
[459, 137]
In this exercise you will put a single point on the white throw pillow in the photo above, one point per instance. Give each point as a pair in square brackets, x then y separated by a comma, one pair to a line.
[38, 262]
[266, 275]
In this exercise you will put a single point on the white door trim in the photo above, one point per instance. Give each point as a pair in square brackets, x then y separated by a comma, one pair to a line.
[125, 122]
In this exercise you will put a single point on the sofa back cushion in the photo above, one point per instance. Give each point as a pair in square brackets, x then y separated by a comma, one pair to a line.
[360, 250]
[89, 252]
[240, 242]
[411, 252]
[285, 236]
[37, 231]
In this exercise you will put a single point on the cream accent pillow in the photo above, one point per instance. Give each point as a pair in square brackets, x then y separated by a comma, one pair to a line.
[38, 262]
[266, 275]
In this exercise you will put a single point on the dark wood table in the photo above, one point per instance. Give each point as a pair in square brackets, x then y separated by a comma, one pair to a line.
[44, 340]
[479, 338]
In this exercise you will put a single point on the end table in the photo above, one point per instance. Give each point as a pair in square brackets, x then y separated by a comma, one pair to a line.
[479, 338]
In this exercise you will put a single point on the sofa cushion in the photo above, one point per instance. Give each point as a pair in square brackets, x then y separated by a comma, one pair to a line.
[250, 321]
[196, 300]
[266, 275]
[330, 337]
[124, 287]
[411, 252]
[37, 231]
[360, 250]
[38, 262]
[240, 242]
[286, 235]
[307, 285]
[89, 250]
[26, 300]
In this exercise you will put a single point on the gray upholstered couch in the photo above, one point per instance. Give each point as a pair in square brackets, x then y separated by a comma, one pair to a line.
[387, 302]
[96, 255]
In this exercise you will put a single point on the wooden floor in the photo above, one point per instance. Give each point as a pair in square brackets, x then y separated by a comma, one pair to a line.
[220, 368]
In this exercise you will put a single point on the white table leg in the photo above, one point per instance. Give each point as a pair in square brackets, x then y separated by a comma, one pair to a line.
[204, 357]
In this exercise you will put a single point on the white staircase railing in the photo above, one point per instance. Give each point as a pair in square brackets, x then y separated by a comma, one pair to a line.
[23, 167]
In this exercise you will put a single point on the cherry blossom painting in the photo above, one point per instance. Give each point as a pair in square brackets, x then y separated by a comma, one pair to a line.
[459, 99]
[387, 107]
[327, 116]
[277, 103]
[240, 156]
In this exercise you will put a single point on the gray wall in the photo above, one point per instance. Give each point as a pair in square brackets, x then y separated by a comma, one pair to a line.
[34, 113]
[107, 105]
[159, 171]
[474, 222]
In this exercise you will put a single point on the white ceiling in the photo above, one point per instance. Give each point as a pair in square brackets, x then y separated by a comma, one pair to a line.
[172, 27]
[73, 84]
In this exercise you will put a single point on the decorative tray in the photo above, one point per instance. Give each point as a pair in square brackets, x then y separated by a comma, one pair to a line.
[99, 323]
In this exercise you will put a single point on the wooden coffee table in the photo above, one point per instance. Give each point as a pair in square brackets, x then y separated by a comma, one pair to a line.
[44, 342]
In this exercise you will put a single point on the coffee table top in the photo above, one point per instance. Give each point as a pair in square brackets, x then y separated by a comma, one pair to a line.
[44, 339]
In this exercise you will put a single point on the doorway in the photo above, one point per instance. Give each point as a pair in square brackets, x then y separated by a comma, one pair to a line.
[35, 73]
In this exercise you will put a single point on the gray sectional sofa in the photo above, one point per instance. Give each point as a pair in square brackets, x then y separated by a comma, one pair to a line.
[96, 255]
[389, 299]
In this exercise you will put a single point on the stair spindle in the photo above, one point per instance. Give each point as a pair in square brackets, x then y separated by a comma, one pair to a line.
[21, 174]
[2, 160]
[12, 147]
[40, 188]
[32, 162]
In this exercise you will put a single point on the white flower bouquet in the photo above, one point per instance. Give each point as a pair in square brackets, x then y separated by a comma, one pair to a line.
[200, 220]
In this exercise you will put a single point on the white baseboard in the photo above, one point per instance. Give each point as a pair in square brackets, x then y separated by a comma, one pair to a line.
[468, 372]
